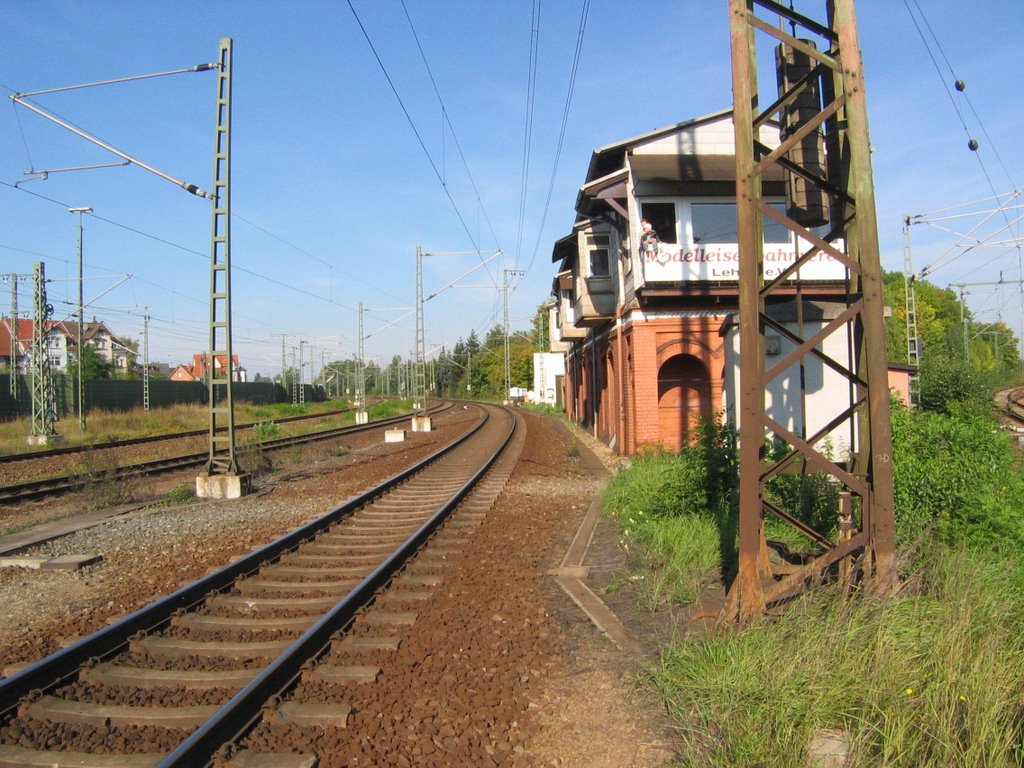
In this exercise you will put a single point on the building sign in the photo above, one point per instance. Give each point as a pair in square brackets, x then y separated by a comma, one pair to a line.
[696, 241]
[720, 262]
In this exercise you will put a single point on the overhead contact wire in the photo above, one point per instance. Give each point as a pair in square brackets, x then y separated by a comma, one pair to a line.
[561, 133]
[531, 88]
[415, 130]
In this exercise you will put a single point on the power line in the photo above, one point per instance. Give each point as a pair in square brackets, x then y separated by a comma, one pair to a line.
[192, 251]
[415, 130]
[561, 133]
[304, 252]
[962, 89]
[531, 90]
[447, 120]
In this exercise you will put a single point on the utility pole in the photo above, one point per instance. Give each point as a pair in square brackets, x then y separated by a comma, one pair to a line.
[81, 321]
[284, 363]
[508, 370]
[222, 476]
[43, 407]
[844, 196]
[963, 304]
[295, 380]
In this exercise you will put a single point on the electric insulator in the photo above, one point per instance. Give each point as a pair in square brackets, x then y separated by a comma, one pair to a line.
[972, 145]
[960, 85]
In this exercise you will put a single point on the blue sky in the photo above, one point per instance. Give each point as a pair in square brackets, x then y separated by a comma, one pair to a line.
[332, 191]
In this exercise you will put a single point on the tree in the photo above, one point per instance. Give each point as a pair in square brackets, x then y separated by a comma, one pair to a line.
[541, 327]
[952, 384]
[93, 366]
[947, 329]
[132, 369]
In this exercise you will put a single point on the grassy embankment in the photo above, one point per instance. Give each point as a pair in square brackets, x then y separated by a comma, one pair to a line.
[107, 426]
[929, 677]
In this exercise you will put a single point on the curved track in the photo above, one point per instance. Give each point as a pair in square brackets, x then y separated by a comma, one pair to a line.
[1015, 405]
[272, 640]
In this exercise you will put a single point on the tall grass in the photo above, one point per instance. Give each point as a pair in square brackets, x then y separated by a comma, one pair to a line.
[930, 679]
[665, 509]
[107, 426]
[386, 408]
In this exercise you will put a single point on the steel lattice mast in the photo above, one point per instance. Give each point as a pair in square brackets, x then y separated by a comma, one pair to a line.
[43, 408]
[361, 415]
[839, 113]
[222, 459]
[13, 277]
[419, 390]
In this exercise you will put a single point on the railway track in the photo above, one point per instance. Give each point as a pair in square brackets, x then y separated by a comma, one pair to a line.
[1015, 405]
[36, 489]
[73, 450]
[237, 667]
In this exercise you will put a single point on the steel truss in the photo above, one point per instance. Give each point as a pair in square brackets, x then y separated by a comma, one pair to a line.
[44, 407]
[835, 82]
[222, 459]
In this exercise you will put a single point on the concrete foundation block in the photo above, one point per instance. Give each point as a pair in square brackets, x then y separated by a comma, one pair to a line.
[394, 436]
[222, 486]
[828, 748]
[362, 417]
[70, 562]
[421, 424]
[44, 439]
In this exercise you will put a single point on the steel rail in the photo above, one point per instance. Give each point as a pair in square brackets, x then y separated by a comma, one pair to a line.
[63, 664]
[34, 489]
[245, 708]
[71, 449]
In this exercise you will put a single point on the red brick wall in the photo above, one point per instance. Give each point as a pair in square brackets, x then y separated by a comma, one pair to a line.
[633, 408]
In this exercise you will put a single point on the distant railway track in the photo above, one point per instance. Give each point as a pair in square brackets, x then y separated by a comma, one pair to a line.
[37, 489]
[237, 666]
[71, 450]
[1015, 405]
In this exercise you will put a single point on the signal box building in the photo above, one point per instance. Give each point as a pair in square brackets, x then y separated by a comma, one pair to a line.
[650, 333]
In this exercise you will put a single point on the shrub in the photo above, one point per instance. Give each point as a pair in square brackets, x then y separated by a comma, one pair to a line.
[701, 478]
[182, 494]
[388, 408]
[681, 507]
[266, 430]
[812, 497]
[952, 385]
[957, 475]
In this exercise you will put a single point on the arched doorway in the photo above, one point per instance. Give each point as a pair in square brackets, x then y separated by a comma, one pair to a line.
[684, 397]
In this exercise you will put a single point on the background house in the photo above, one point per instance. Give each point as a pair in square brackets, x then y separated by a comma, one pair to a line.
[20, 332]
[61, 338]
[196, 371]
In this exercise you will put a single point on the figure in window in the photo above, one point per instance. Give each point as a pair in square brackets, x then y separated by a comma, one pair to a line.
[648, 241]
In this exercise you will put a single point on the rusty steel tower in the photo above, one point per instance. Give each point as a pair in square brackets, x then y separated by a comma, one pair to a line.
[818, 106]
